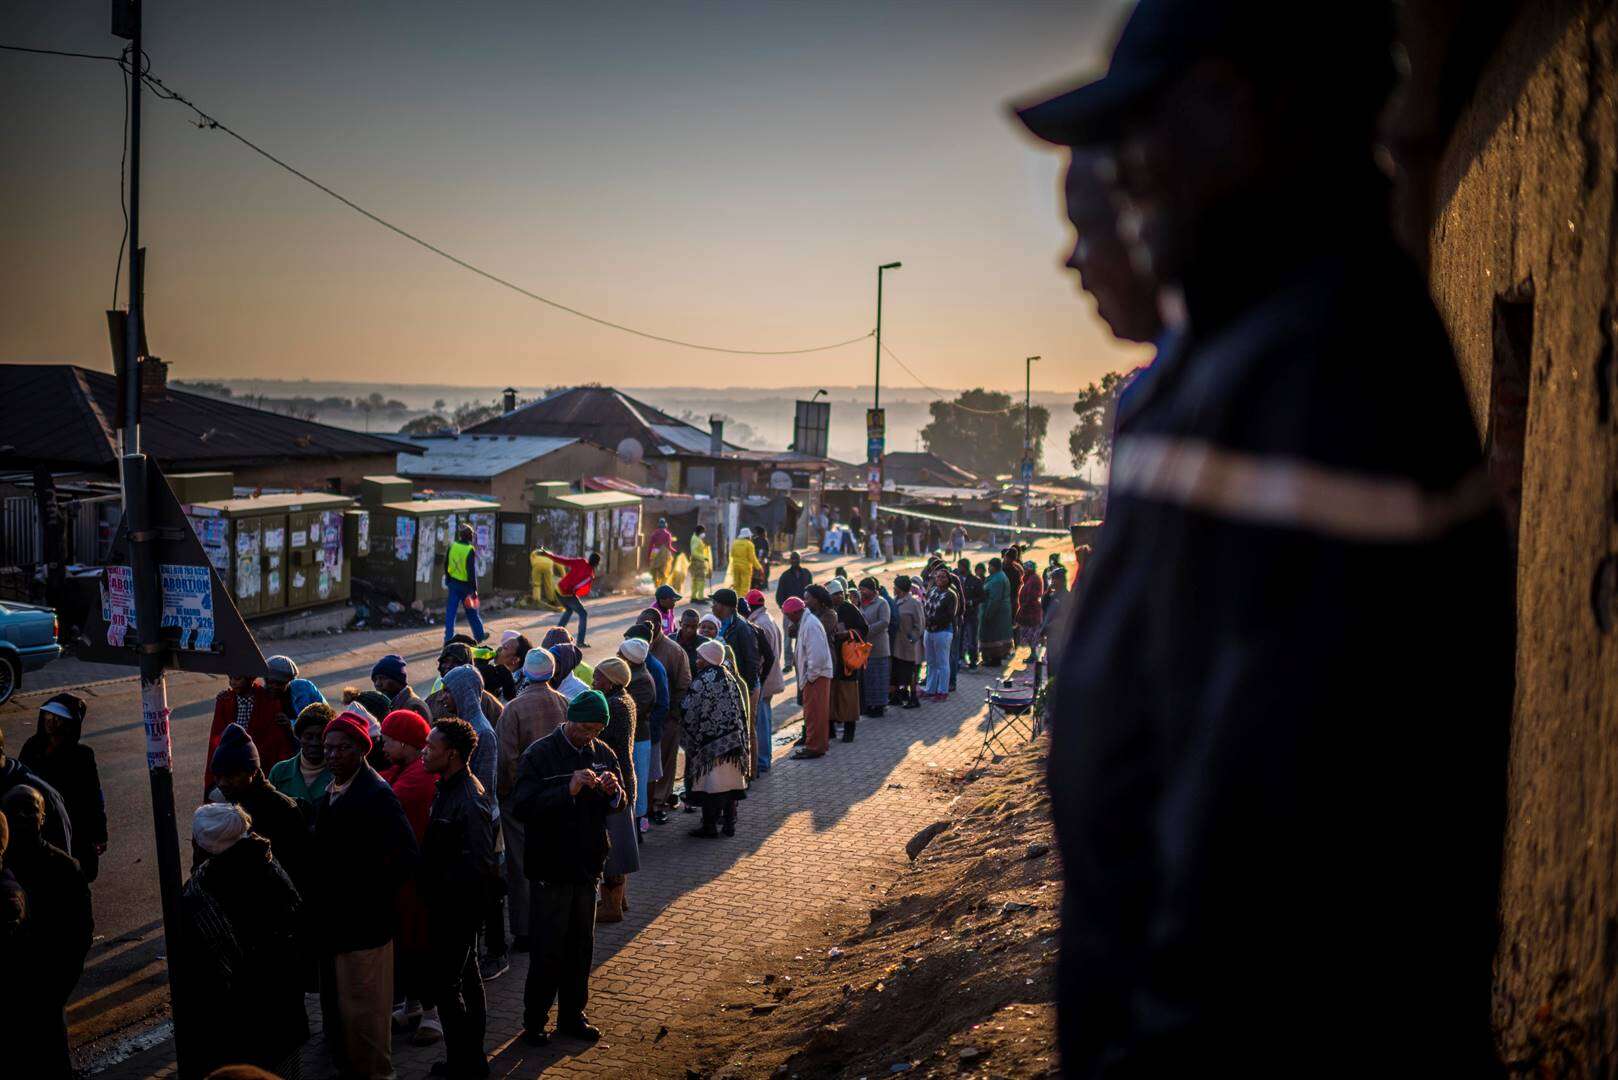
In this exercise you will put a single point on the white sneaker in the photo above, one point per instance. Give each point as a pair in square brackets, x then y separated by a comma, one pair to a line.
[406, 1015]
[430, 1030]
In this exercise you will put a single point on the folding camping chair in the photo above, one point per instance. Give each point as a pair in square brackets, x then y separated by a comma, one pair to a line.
[1011, 715]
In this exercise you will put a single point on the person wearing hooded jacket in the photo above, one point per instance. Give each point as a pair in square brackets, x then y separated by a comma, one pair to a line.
[54, 939]
[614, 680]
[55, 754]
[241, 916]
[58, 827]
[465, 685]
[743, 562]
[649, 686]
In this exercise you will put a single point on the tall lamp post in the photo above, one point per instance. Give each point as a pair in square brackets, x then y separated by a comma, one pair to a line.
[876, 428]
[1027, 438]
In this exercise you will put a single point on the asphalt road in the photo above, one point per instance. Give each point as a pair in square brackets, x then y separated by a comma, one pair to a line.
[125, 982]
[124, 988]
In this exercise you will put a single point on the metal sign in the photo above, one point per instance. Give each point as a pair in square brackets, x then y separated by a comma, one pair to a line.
[200, 624]
[811, 428]
[873, 448]
[876, 423]
[1027, 470]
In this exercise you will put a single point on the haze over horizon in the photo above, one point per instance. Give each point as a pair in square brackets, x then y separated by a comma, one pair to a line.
[727, 173]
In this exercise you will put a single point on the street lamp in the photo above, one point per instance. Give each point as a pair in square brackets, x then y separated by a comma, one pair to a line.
[1027, 437]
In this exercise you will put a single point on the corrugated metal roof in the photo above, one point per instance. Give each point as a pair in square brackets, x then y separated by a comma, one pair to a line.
[469, 457]
[61, 415]
[605, 416]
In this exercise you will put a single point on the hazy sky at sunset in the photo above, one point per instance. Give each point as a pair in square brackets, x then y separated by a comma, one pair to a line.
[725, 172]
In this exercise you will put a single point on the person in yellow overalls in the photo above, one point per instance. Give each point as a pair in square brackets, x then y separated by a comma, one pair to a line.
[743, 561]
[701, 563]
[542, 576]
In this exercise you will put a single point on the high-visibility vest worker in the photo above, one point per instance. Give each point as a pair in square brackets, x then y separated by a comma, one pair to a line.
[460, 564]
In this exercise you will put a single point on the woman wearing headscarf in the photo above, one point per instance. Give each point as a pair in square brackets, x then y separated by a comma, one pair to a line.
[241, 987]
[612, 678]
[649, 686]
[1030, 613]
[572, 676]
[907, 643]
[57, 757]
[714, 736]
[874, 675]
[994, 617]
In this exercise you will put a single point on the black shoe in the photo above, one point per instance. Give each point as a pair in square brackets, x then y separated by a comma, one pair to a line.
[660, 817]
[706, 832]
[536, 1037]
[848, 736]
[911, 704]
[579, 1029]
[520, 943]
[877, 712]
[802, 754]
[690, 809]
[729, 828]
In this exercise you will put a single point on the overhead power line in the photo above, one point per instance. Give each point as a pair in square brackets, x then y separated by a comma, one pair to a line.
[204, 120]
[944, 399]
[60, 52]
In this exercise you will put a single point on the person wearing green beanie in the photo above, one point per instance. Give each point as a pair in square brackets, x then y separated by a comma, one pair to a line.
[567, 784]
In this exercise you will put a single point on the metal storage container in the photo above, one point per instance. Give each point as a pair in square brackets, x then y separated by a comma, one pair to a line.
[278, 552]
[410, 538]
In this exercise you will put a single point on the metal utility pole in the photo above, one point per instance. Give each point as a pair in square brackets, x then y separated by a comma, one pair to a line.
[145, 575]
[876, 428]
[1027, 438]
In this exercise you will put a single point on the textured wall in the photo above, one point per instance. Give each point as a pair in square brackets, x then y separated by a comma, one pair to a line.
[1523, 247]
[316, 475]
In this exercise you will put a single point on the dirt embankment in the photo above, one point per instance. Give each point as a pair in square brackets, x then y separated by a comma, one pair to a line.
[953, 973]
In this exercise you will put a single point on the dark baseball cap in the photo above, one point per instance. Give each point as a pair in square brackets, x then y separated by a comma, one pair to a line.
[666, 592]
[1342, 55]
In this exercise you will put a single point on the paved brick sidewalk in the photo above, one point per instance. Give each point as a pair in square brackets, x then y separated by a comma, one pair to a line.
[811, 834]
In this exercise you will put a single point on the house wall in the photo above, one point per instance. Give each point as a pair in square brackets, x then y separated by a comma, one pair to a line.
[572, 463]
[311, 475]
[1523, 268]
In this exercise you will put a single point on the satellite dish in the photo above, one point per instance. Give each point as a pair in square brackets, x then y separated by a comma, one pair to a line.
[630, 449]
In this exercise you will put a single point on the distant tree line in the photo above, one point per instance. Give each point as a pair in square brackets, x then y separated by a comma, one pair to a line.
[305, 408]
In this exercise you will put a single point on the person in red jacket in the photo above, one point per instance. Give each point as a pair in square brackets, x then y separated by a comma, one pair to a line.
[404, 733]
[574, 587]
[257, 709]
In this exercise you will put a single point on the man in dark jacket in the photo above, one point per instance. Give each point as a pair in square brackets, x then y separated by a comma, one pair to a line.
[364, 851]
[275, 816]
[53, 942]
[738, 633]
[1285, 698]
[459, 872]
[567, 784]
[794, 579]
[58, 824]
[57, 756]
[971, 600]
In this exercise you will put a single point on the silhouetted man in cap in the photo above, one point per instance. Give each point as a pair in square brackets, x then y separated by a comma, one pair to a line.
[1278, 735]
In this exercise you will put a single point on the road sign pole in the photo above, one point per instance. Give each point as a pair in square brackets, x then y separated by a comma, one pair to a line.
[147, 587]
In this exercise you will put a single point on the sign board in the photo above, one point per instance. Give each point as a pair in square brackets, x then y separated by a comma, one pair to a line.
[199, 621]
[876, 423]
[1027, 470]
[811, 428]
[873, 448]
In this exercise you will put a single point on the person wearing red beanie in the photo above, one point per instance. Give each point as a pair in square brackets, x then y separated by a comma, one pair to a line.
[404, 733]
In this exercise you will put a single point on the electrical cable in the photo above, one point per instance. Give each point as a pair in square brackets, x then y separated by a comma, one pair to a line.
[123, 203]
[59, 52]
[204, 120]
[943, 397]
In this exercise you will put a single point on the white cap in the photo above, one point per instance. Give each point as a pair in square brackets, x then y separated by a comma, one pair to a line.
[745, 534]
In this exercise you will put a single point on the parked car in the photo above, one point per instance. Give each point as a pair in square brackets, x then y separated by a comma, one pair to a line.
[28, 641]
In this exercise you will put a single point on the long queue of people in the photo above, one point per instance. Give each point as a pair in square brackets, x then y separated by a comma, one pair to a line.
[377, 847]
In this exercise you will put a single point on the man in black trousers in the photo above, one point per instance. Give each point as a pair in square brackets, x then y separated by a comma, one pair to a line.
[567, 784]
[459, 873]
